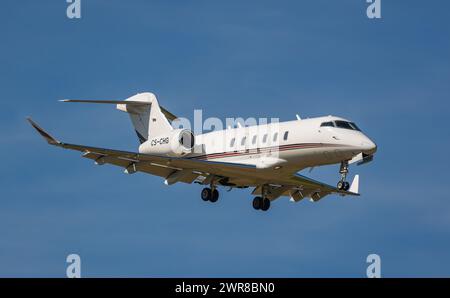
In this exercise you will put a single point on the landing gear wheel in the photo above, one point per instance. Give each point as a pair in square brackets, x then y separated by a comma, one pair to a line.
[206, 194]
[343, 185]
[257, 203]
[214, 196]
[266, 205]
[346, 186]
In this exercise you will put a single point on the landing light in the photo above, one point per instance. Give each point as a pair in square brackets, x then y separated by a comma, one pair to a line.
[277, 167]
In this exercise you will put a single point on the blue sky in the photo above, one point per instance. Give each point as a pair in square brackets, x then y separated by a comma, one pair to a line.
[231, 59]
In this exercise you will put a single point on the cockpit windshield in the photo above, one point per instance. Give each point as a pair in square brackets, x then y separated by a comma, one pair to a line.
[341, 124]
[355, 126]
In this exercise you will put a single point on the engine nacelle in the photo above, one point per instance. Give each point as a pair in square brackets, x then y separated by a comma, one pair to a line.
[175, 143]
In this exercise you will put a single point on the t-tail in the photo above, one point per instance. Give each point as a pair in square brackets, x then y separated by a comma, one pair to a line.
[148, 117]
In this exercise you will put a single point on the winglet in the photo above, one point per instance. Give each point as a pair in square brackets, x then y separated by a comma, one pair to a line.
[354, 188]
[51, 140]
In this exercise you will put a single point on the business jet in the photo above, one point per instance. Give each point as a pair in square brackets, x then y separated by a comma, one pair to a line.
[264, 157]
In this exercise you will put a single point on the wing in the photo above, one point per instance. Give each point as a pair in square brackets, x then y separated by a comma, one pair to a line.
[172, 168]
[188, 170]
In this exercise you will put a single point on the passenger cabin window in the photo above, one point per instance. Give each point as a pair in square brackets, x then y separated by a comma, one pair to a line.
[254, 140]
[275, 137]
[243, 141]
[232, 142]
[327, 124]
[265, 138]
[286, 134]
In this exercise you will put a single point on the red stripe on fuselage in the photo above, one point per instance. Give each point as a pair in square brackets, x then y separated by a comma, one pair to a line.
[264, 150]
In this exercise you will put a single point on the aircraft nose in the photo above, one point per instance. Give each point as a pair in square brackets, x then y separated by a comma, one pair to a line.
[368, 146]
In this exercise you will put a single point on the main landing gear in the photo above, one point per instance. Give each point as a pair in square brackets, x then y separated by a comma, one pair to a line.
[262, 203]
[210, 194]
[342, 184]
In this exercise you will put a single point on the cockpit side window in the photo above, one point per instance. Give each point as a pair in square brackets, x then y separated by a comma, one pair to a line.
[327, 124]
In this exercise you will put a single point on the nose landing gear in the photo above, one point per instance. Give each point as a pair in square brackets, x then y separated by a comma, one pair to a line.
[342, 184]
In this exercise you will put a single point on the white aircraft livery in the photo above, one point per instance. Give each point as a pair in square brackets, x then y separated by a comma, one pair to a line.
[265, 157]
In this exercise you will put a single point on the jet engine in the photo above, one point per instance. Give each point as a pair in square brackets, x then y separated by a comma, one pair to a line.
[176, 143]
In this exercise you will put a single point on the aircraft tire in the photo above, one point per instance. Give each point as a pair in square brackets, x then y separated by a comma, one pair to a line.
[206, 194]
[266, 205]
[257, 202]
[214, 196]
[346, 186]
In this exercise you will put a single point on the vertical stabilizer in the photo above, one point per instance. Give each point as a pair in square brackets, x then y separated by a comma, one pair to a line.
[147, 118]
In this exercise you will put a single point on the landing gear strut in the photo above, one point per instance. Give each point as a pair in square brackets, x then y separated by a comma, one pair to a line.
[261, 203]
[209, 194]
[342, 184]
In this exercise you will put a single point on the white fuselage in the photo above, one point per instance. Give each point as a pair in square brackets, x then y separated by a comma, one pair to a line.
[285, 146]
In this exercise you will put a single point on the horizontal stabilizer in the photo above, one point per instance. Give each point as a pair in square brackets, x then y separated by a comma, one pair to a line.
[107, 101]
[166, 113]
